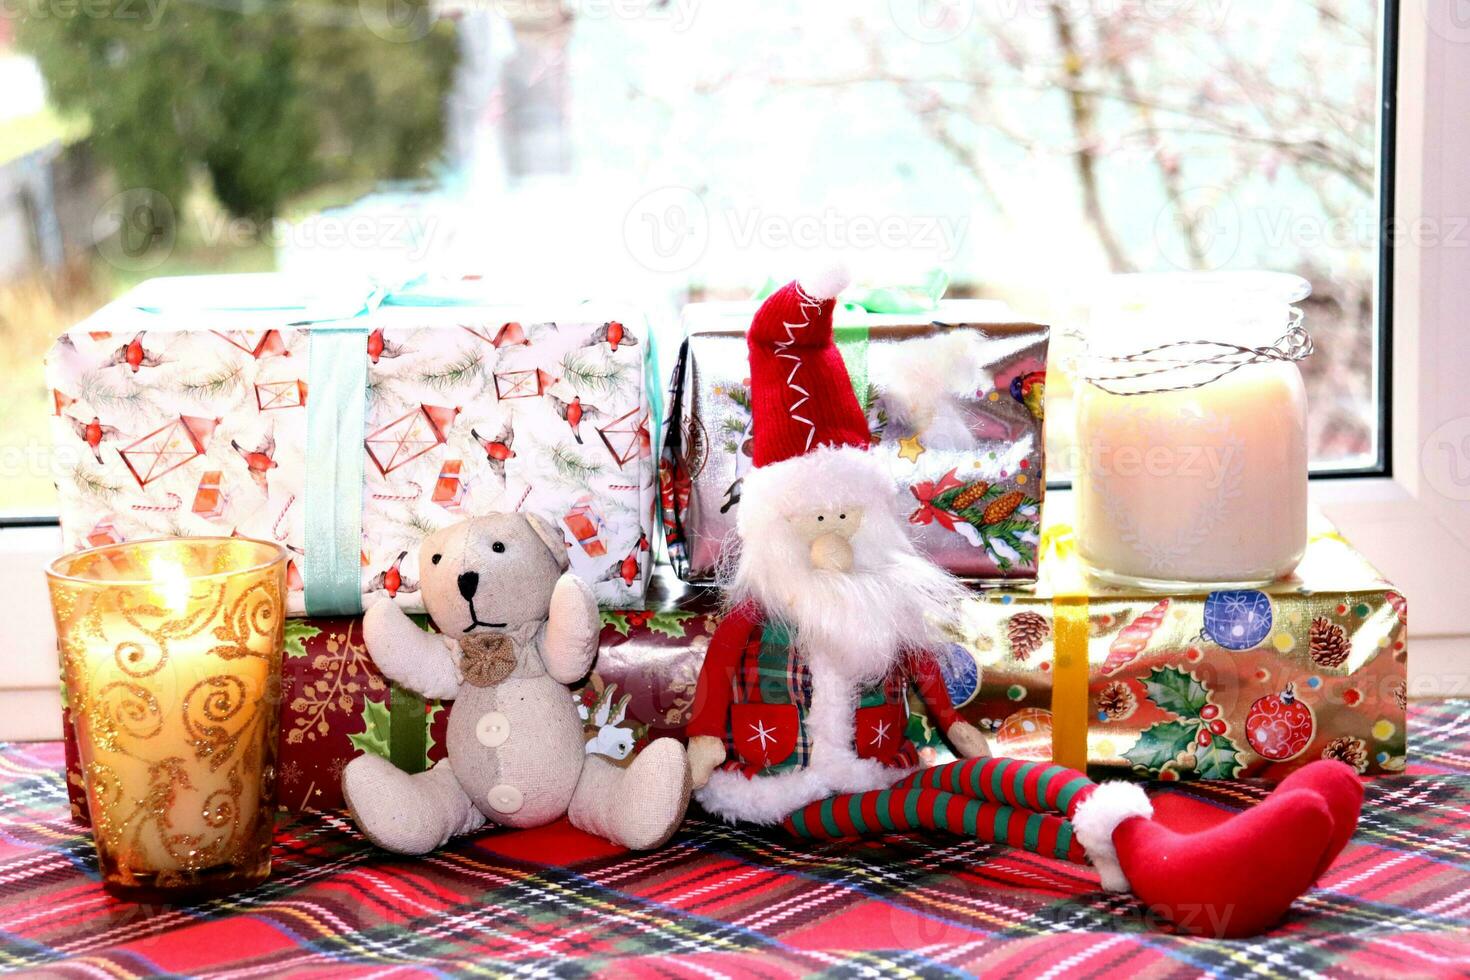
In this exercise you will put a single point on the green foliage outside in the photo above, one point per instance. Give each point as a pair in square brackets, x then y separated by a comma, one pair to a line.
[265, 103]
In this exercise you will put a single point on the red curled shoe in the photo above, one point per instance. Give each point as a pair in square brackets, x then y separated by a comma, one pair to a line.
[1235, 879]
[1341, 789]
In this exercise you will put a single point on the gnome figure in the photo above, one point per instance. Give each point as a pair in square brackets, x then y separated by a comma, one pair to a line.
[801, 719]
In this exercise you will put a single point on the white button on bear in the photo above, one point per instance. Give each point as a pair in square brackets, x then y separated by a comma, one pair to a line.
[506, 799]
[516, 630]
[492, 729]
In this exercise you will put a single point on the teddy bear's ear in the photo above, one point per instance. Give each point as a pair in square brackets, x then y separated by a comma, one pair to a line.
[550, 536]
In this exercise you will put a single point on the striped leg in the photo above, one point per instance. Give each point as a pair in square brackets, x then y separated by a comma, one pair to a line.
[1038, 786]
[880, 811]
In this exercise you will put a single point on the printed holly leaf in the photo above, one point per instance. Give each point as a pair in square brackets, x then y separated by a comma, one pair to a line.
[1219, 760]
[922, 732]
[1176, 691]
[670, 623]
[435, 708]
[375, 725]
[617, 620]
[1160, 744]
[297, 633]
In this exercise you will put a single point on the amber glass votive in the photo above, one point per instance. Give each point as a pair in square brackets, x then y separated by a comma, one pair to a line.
[171, 656]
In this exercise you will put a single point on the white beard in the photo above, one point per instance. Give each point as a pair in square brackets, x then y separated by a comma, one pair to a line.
[862, 621]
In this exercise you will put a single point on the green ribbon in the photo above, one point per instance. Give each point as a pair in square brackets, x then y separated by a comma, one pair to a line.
[408, 730]
[852, 344]
[336, 418]
[915, 298]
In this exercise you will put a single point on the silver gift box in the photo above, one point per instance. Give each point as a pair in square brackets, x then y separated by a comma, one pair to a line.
[954, 398]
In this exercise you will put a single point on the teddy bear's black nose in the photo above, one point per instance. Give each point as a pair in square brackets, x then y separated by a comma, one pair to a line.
[468, 583]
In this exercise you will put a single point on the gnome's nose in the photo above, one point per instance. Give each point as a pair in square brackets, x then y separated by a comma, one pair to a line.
[831, 552]
[468, 583]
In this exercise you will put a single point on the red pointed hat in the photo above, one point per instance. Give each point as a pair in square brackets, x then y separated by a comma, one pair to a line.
[800, 394]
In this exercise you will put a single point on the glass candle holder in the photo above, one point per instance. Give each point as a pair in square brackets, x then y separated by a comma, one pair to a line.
[1192, 430]
[171, 655]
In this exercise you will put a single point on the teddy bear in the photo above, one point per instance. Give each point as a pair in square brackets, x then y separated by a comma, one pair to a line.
[515, 628]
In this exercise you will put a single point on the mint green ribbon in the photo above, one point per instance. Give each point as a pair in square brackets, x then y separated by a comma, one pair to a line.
[336, 419]
[915, 298]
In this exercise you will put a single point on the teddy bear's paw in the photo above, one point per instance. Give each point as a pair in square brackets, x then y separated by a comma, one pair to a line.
[656, 789]
[403, 813]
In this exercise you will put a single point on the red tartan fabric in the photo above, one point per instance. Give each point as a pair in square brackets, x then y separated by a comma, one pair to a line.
[732, 901]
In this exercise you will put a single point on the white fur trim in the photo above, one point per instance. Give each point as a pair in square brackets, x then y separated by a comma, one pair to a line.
[1096, 819]
[770, 799]
[795, 485]
[827, 283]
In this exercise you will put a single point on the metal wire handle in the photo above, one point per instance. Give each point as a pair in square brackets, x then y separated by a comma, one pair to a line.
[1294, 345]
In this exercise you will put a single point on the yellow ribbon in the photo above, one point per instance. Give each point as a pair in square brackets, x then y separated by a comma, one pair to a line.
[1070, 621]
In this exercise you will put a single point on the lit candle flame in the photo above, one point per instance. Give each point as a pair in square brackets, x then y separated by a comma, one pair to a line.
[173, 583]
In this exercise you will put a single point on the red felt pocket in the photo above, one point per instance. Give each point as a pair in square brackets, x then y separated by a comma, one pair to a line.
[765, 734]
[880, 731]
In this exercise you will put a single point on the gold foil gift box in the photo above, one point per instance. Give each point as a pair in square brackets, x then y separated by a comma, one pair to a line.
[1217, 684]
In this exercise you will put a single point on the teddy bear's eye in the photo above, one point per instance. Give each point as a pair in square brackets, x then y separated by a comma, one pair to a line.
[436, 558]
[820, 518]
[498, 547]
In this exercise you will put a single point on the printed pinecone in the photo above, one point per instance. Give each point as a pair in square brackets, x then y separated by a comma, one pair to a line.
[1117, 701]
[1027, 631]
[966, 497]
[1002, 507]
[1329, 643]
[1401, 695]
[1347, 749]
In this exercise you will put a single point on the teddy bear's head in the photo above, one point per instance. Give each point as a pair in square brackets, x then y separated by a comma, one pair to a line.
[491, 573]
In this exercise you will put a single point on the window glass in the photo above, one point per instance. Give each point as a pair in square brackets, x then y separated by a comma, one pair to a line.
[682, 149]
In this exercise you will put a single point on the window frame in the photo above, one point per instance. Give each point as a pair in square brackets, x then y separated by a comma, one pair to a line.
[1418, 537]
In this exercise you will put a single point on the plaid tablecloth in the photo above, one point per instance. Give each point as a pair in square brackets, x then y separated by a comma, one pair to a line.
[720, 901]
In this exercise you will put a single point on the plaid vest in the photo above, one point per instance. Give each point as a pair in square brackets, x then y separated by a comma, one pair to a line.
[767, 731]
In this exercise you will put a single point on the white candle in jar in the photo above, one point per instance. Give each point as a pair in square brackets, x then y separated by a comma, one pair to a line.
[1192, 471]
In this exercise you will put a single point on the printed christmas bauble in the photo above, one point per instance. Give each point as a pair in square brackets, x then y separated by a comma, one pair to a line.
[1238, 619]
[961, 674]
[1279, 727]
[1026, 734]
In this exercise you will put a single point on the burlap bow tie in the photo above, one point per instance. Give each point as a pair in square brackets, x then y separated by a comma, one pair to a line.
[488, 658]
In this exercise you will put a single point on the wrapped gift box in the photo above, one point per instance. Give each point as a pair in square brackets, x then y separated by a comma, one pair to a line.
[954, 401]
[1225, 684]
[230, 405]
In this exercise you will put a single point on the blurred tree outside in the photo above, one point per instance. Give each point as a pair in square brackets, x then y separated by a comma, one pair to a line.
[266, 100]
[238, 115]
